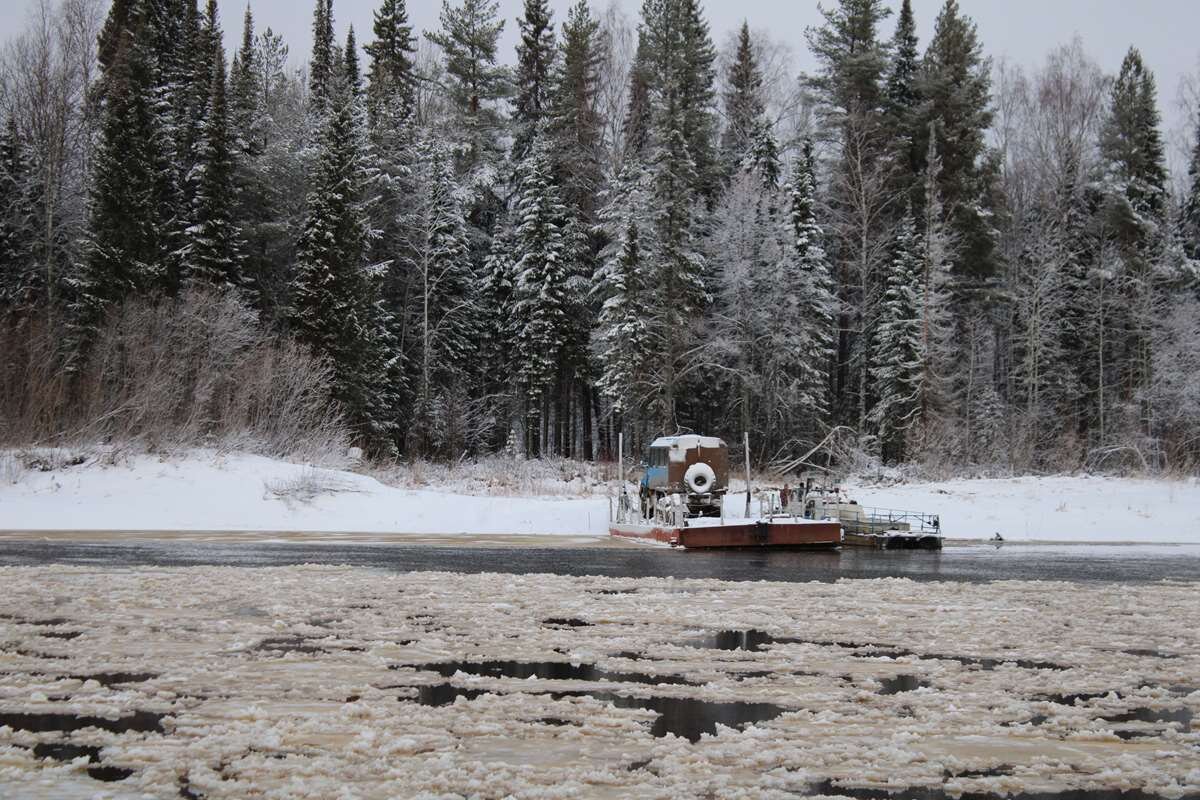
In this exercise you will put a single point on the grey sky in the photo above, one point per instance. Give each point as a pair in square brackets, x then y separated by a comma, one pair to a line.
[1021, 30]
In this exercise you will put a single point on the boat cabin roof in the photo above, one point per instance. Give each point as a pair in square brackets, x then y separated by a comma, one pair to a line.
[687, 442]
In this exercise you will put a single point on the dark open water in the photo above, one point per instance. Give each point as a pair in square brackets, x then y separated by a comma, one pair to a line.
[973, 563]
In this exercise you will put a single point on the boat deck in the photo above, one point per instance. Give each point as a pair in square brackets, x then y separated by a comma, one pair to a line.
[894, 540]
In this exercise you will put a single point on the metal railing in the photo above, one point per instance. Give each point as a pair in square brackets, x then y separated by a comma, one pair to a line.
[876, 520]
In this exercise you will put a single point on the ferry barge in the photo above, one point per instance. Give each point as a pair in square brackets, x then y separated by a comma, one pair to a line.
[682, 501]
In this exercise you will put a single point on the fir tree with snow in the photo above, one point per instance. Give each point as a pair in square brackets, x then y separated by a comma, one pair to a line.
[335, 293]
[955, 90]
[808, 300]
[677, 268]
[391, 78]
[1135, 212]
[541, 271]
[744, 107]
[213, 255]
[533, 79]
[131, 206]
[324, 61]
[676, 57]
[902, 104]
[575, 122]
[898, 372]
[244, 99]
[622, 342]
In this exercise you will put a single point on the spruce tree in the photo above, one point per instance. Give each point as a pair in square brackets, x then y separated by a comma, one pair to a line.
[622, 336]
[350, 65]
[575, 122]
[131, 206]
[902, 100]
[623, 288]
[496, 301]
[335, 295]
[898, 367]
[955, 90]
[744, 109]
[677, 267]
[186, 56]
[676, 58]
[1132, 148]
[1135, 203]
[576, 146]
[635, 128]
[323, 64]
[391, 78]
[213, 252]
[1074, 224]
[763, 156]
[541, 271]
[533, 81]
[123, 16]
[697, 95]
[900, 94]
[390, 97]
[808, 287]
[244, 79]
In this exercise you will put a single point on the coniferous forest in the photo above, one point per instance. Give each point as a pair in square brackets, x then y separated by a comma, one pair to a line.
[442, 250]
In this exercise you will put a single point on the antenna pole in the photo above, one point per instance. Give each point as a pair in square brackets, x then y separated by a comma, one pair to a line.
[746, 446]
[621, 470]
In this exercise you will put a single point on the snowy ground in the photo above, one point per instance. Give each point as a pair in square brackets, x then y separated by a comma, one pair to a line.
[206, 492]
[329, 681]
[1057, 508]
[251, 493]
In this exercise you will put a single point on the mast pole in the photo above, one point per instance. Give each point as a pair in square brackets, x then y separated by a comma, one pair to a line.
[746, 447]
[621, 473]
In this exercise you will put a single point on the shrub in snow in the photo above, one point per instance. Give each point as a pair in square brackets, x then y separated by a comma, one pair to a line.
[194, 371]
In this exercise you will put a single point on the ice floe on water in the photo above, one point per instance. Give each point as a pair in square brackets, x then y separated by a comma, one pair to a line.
[330, 681]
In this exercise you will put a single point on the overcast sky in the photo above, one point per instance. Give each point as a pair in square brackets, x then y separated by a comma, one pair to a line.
[1021, 30]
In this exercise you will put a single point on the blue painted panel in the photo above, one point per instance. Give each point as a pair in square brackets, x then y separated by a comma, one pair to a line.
[655, 476]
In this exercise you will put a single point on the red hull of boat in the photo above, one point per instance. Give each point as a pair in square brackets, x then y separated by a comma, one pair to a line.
[741, 534]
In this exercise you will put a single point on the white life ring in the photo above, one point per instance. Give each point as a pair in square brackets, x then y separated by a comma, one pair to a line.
[700, 478]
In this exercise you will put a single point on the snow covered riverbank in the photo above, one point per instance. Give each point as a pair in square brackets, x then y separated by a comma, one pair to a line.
[248, 493]
[1056, 508]
[237, 492]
